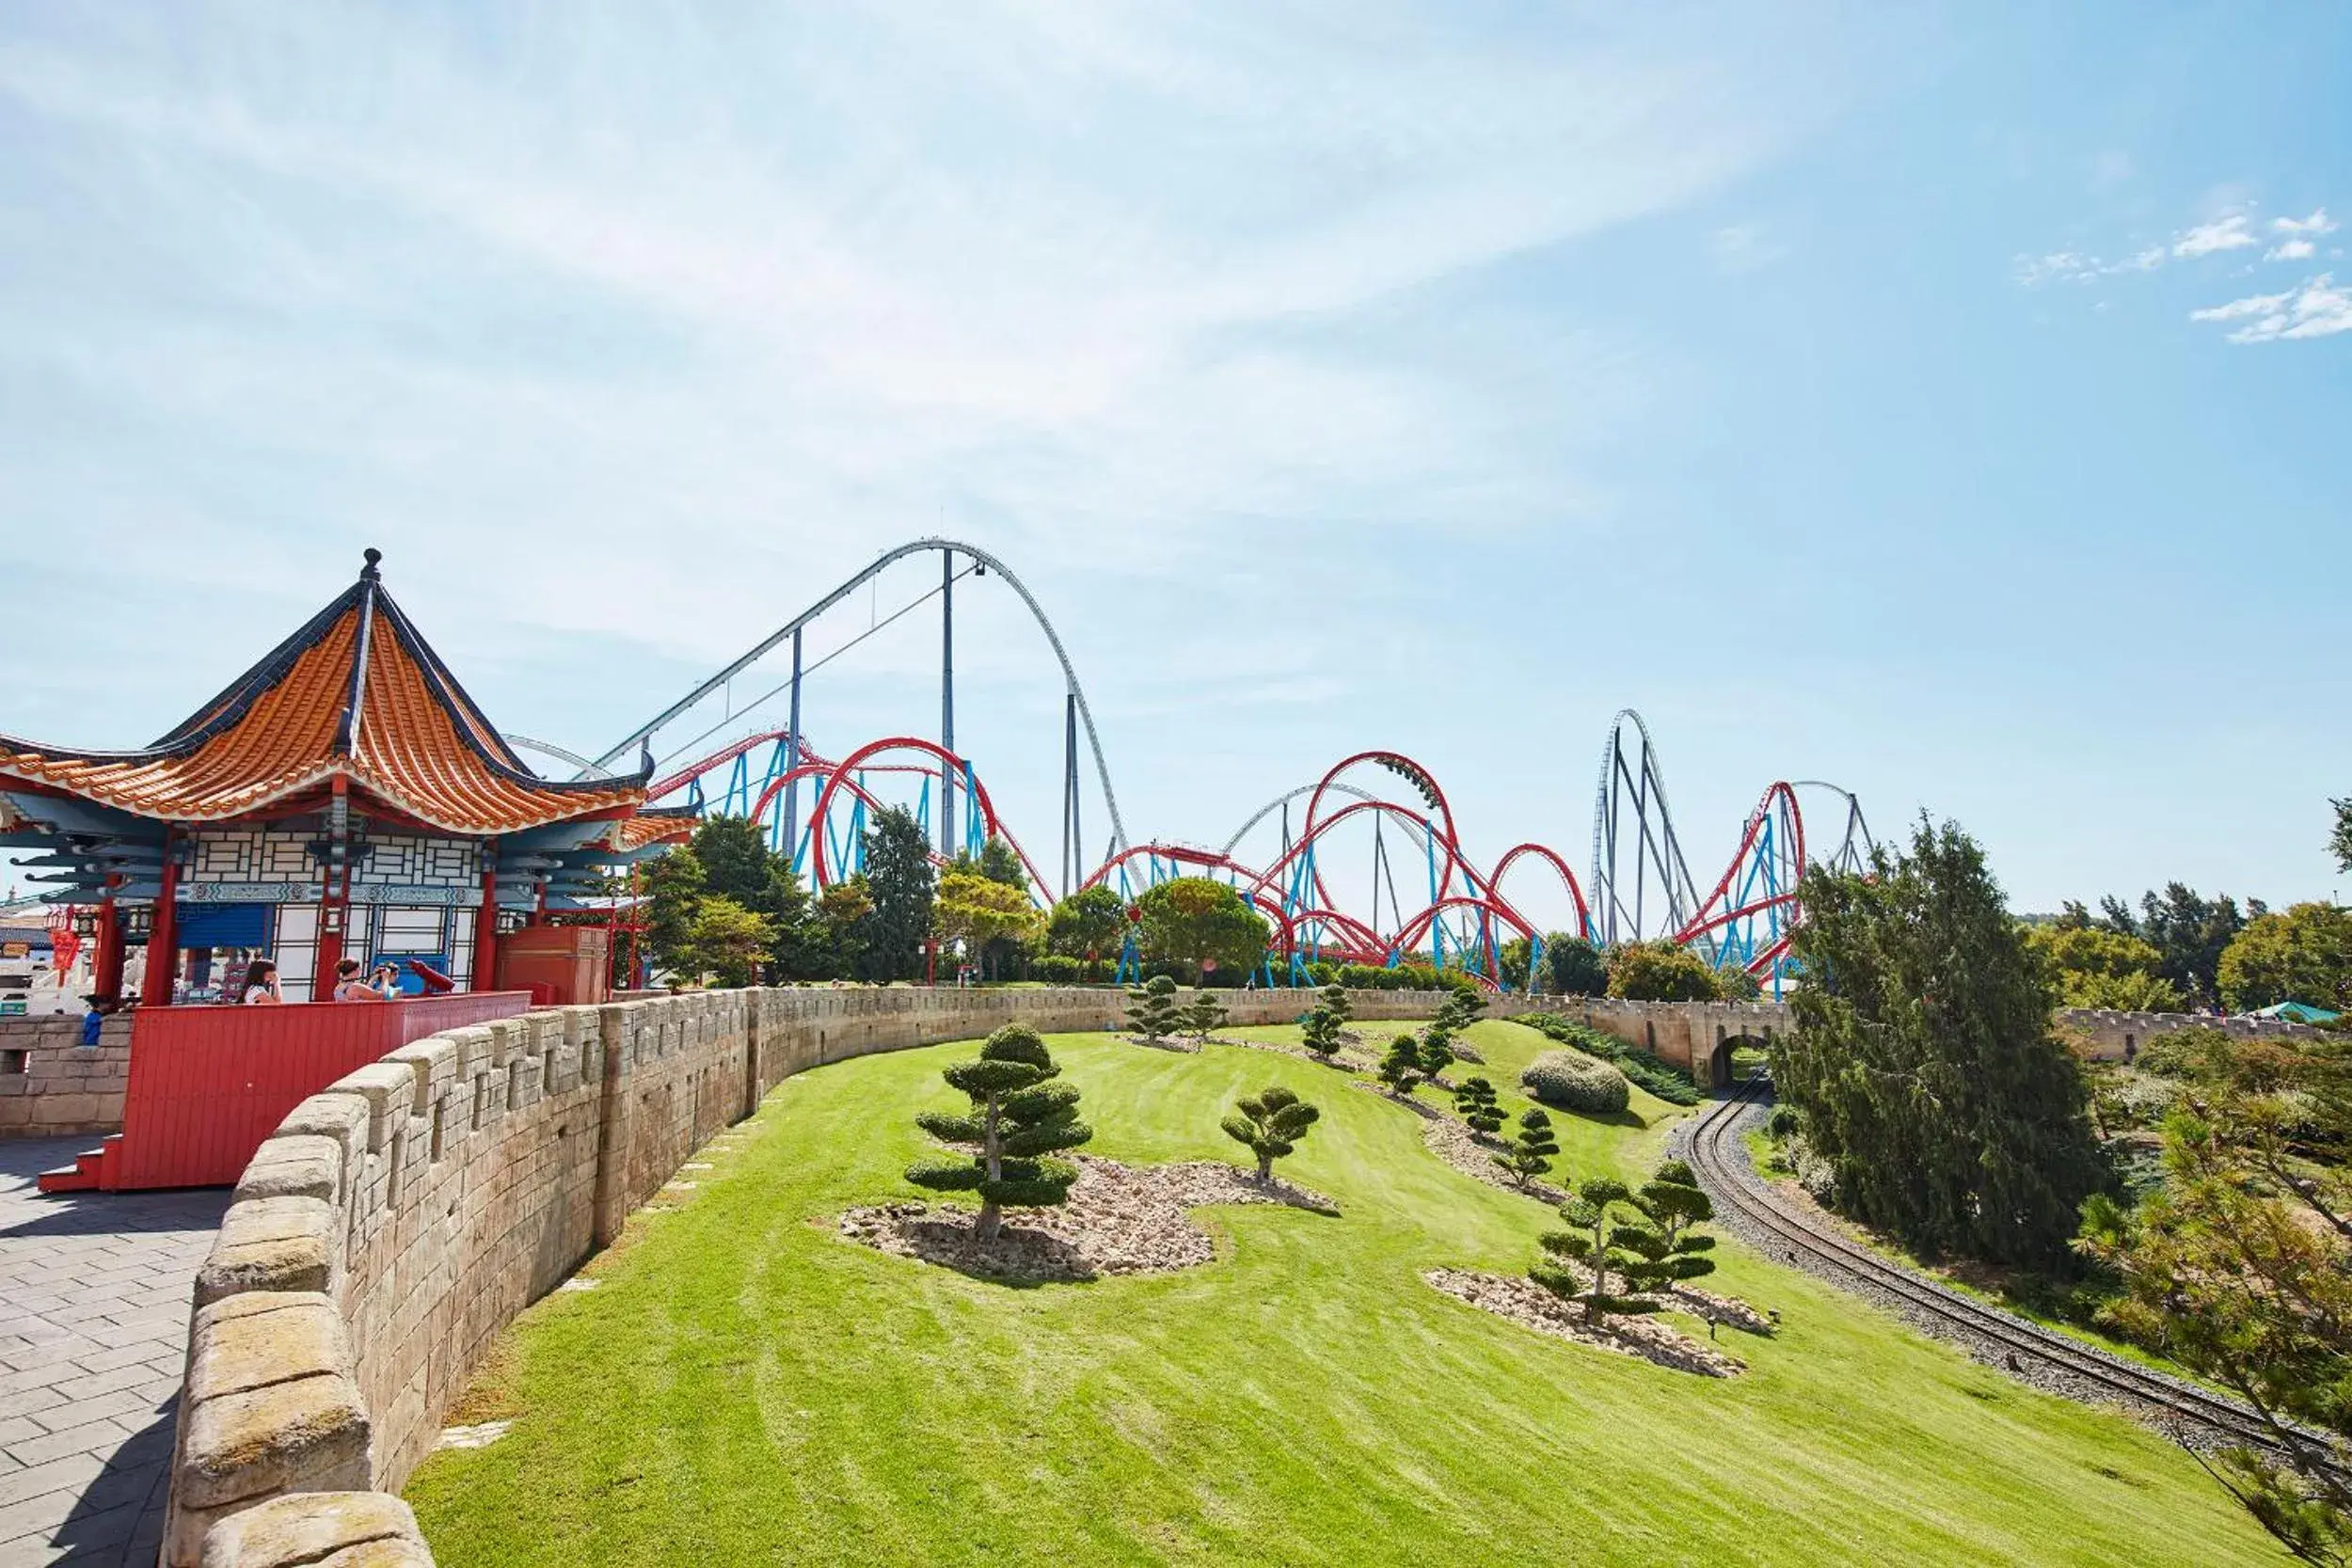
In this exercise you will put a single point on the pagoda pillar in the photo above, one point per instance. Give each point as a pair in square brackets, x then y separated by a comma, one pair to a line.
[163, 937]
[105, 959]
[485, 925]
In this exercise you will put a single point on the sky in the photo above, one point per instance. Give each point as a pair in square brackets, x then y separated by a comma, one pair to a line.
[1949, 402]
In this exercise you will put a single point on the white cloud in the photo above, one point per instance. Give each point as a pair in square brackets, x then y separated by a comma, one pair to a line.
[2290, 250]
[2318, 223]
[2206, 239]
[2318, 308]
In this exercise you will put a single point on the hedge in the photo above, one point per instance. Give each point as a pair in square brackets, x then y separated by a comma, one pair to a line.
[1571, 1081]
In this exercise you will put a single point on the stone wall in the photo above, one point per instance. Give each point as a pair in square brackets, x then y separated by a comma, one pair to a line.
[58, 1085]
[400, 1218]
[2107, 1035]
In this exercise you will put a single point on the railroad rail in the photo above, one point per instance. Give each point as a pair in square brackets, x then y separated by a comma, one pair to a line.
[2013, 1339]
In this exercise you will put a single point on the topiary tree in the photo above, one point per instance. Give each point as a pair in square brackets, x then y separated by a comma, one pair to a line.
[1204, 1014]
[1530, 1153]
[1152, 1012]
[1672, 1202]
[1474, 1102]
[1436, 1052]
[1319, 1031]
[1019, 1116]
[1271, 1122]
[1461, 1009]
[1602, 1246]
[1400, 1068]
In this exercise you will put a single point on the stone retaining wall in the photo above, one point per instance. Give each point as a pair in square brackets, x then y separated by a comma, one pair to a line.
[400, 1218]
[58, 1085]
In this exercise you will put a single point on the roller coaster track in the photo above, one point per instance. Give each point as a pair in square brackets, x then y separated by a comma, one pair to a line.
[1730, 1182]
[1638, 888]
[645, 733]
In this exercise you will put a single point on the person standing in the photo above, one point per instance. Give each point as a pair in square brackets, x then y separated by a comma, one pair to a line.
[350, 987]
[261, 984]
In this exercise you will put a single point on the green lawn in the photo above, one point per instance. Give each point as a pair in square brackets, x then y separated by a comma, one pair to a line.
[744, 1388]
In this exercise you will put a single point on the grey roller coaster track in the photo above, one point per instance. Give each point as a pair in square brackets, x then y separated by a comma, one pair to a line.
[645, 733]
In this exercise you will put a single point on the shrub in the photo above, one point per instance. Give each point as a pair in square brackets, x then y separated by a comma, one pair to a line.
[1151, 1011]
[1669, 1083]
[1661, 972]
[1571, 1081]
[1271, 1123]
[1018, 1117]
[1058, 969]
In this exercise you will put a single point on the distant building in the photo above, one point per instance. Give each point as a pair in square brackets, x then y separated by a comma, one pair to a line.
[344, 798]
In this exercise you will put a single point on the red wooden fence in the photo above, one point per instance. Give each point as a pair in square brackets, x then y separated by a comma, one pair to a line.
[208, 1085]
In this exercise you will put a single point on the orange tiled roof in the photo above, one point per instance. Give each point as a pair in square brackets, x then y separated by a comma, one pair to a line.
[356, 692]
[657, 824]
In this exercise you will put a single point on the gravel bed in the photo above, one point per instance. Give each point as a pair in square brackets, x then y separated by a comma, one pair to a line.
[1525, 1303]
[2033, 1371]
[1120, 1220]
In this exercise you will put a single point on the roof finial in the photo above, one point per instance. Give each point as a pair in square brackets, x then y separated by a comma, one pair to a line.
[370, 555]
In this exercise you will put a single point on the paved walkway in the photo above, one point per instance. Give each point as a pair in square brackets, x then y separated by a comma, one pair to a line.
[94, 1339]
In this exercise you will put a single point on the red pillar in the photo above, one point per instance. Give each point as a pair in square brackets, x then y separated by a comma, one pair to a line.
[106, 961]
[163, 937]
[486, 929]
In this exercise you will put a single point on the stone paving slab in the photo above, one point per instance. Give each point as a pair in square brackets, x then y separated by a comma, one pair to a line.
[94, 1293]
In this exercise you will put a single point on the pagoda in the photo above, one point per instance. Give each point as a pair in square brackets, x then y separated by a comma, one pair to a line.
[342, 799]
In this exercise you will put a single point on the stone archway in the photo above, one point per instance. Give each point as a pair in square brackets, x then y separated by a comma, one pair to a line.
[1722, 1069]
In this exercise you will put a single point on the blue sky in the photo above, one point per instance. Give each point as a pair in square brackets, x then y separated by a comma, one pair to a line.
[1947, 401]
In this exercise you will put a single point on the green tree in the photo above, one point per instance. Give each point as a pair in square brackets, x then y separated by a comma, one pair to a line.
[673, 884]
[1334, 1001]
[1661, 971]
[1532, 1148]
[2239, 1266]
[2188, 932]
[844, 924]
[1271, 1123]
[726, 941]
[1019, 1117]
[2303, 954]
[1437, 1049]
[1088, 924]
[1400, 1068]
[981, 911]
[1674, 1205]
[1202, 924]
[2340, 842]
[999, 861]
[1574, 967]
[1597, 1241]
[2095, 967]
[1151, 1011]
[1924, 1062]
[1474, 1102]
[899, 882]
[1204, 1015]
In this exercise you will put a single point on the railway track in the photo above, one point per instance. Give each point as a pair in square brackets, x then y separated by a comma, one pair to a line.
[2004, 1339]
